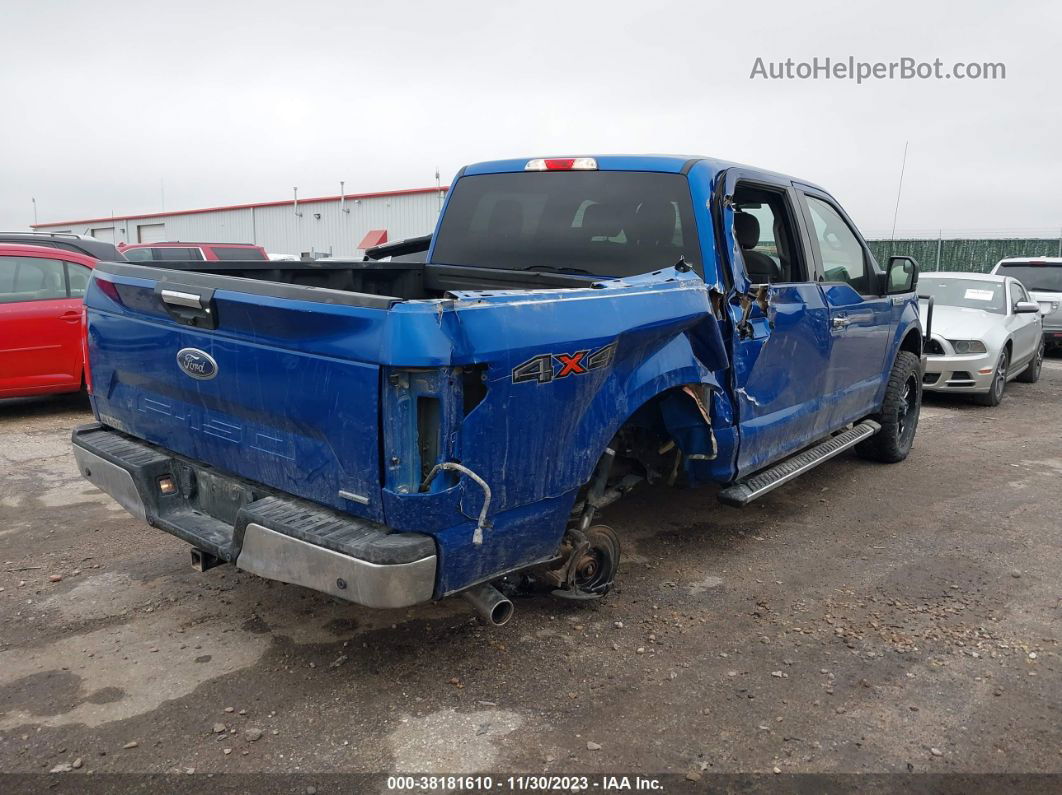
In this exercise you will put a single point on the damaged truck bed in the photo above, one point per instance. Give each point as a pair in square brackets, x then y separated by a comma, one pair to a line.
[391, 432]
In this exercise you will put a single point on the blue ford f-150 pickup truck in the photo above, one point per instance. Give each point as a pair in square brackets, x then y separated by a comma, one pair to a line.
[391, 432]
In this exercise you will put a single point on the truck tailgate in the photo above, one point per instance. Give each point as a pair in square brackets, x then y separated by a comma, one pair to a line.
[281, 391]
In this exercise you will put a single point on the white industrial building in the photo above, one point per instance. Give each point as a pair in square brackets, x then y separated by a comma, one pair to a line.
[324, 226]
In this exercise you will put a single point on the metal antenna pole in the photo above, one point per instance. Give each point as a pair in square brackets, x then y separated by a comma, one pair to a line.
[899, 188]
[34, 200]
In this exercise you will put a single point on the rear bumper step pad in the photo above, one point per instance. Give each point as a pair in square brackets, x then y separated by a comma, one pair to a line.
[260, 530]
[745, 491]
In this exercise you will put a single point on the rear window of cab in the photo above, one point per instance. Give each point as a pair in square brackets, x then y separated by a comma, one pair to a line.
[603, 223]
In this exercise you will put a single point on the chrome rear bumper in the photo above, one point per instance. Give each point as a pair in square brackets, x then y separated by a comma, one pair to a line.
[275, 556]
[267, 533]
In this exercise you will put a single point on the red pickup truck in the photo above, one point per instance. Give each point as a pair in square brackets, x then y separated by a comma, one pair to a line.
[41, 319]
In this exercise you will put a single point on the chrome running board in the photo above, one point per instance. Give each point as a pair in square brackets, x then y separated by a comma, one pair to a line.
[745, 491]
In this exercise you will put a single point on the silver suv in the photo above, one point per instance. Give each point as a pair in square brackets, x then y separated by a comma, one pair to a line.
[1042, 277]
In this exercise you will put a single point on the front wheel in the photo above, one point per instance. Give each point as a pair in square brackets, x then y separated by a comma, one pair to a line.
[899, 413]
[999, 383]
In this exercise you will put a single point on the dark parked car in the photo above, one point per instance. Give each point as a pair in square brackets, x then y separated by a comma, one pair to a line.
[66, 241]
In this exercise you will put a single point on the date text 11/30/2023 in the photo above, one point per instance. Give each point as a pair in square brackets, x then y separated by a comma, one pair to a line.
[610, 783]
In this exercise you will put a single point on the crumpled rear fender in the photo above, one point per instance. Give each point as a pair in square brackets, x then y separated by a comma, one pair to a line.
[562, 371]
[565, 370]
[672, 366]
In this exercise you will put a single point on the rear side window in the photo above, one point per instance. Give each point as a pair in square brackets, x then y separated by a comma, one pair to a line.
[78, 278]
[163, 254]
[764, 230]
[605, 223]
[175, 254]
[31, 279]
[226, 253]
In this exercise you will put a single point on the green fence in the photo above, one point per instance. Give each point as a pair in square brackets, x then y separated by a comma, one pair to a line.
[964, 255]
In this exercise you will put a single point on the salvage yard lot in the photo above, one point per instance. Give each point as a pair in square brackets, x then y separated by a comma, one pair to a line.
[863, 618]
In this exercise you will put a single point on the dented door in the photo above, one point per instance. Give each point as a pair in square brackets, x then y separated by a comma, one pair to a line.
[780, 352]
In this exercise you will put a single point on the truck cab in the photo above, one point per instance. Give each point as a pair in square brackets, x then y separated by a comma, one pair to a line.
[396, 431]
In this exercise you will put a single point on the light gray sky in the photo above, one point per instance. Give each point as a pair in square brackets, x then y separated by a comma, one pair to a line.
[230, 102]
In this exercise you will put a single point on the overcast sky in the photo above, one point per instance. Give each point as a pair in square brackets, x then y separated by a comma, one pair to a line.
[230, 102]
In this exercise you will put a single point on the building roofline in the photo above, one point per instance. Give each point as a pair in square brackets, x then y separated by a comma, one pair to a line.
[337, 197]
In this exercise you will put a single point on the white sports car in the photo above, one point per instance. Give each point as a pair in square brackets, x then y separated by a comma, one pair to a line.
[985, 331]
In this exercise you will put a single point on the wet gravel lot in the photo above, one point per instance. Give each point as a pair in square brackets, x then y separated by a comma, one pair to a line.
[865, 618]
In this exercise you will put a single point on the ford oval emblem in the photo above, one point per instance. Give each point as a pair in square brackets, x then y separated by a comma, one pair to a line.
[197, 364]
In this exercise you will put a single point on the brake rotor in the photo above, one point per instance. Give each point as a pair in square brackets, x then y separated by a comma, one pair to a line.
[593, 566]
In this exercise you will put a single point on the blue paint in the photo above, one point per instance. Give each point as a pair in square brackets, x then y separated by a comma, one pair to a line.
[315, 398]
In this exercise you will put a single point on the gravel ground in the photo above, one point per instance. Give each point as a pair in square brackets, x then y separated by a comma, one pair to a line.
[865, 618]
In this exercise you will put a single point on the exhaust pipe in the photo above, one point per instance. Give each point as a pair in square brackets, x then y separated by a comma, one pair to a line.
[490, 603]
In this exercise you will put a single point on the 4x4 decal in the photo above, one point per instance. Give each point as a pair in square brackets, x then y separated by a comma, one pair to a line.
[544, 368]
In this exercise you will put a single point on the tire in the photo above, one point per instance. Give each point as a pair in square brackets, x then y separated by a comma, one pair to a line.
[994, 396]
[899, 413]
[1031, 374]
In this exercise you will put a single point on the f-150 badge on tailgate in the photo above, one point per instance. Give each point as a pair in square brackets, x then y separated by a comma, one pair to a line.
[197, 364]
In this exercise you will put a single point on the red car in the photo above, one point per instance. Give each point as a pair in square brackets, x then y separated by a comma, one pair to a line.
[183, 252]
[40, 319]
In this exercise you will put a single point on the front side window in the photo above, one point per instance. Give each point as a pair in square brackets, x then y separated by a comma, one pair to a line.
[31, 279]
[966, 293]
[604, 223]
[843, 258]
[1018, 292]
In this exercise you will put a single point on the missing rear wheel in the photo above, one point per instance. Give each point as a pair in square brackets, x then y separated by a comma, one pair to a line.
[591, 568]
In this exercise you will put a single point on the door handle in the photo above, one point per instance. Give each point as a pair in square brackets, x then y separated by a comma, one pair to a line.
[71, 316]
[840, 321]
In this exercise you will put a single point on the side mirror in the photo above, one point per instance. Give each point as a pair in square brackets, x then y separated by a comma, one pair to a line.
[901, 275]
[1026, 307]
